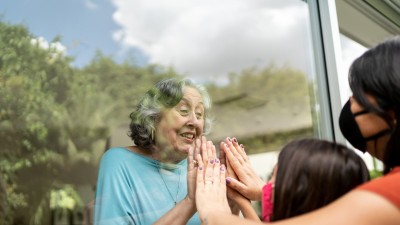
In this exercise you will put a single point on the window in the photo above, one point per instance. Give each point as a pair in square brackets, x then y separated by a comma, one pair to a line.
[64, 103]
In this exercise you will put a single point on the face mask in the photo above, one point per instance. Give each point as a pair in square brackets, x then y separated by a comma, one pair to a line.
[351, 131]
[267, 204]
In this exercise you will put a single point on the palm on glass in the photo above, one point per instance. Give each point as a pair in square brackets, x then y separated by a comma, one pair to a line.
[247, 183]
[207, 151]
[211, 187]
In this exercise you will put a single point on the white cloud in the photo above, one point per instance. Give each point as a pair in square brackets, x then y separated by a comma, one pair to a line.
[43, 43]
[212, 38]
[90, 5]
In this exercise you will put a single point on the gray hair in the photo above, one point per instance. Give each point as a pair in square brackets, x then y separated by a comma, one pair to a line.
[165, 94]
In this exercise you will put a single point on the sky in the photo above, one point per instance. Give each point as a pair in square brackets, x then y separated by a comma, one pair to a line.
[84, 26]
[204, 38]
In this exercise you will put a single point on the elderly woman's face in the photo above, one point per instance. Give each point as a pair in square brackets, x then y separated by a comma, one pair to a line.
[180, 125]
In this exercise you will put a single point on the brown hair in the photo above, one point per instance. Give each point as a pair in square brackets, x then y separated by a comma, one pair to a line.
[312, 173]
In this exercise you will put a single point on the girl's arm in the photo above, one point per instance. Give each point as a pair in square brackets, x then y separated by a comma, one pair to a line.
[247, 209]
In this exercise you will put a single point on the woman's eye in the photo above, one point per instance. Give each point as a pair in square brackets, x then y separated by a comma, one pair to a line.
[199, 115]
[184, 111]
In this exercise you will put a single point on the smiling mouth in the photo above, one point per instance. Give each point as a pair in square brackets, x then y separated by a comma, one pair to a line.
[189, 136]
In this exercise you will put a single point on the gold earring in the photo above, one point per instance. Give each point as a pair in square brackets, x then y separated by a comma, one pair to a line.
[152, 134]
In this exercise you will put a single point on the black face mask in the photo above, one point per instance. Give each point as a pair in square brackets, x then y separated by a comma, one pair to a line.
[351, 131]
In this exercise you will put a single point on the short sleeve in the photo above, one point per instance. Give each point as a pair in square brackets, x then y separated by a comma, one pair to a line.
[387, 186]
[112, 206]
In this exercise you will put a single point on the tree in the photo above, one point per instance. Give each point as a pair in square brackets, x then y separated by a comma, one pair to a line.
[55, 120]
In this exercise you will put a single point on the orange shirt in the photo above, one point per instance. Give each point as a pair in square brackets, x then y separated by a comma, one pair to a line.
[387, 186]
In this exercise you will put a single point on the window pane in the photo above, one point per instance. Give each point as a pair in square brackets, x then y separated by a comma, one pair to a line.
[63, 103]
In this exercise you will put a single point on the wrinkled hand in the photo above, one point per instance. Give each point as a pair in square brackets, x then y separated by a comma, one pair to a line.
[211, 188]
[207, 150]
[191, 174]
[247, 183]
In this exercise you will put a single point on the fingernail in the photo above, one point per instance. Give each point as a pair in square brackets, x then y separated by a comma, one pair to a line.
[200, 168]
[235, 140]
[229, 139]
[242, 146]
[216, 160]
[223, 168]
[226, 145]
[228, 180]
[212, 161]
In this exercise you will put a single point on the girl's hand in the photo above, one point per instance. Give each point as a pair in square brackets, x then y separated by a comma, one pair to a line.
[234, 197]
[247, 183]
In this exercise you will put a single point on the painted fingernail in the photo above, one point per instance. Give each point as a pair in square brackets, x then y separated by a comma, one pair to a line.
[229, 139]
[212, 161]
[235, 140]
[223, 168]
[216, 160]
[226, 145]
[242, 146]
[228, 180]
[200, 168]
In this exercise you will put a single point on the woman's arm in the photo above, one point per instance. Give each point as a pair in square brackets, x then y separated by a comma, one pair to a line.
[180, 214]
[355, 208]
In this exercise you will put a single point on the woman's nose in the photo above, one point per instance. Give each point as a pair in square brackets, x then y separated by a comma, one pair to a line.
[193, 120]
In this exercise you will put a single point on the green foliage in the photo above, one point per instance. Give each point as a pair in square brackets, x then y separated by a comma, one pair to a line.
[277, 87]
[55, 120]
[273, 141]
[375, 174]
[65, 198]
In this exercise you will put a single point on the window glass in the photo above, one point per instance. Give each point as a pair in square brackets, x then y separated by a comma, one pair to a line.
[70, 74]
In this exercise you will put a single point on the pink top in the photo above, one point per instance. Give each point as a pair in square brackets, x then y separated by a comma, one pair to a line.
[266, 202]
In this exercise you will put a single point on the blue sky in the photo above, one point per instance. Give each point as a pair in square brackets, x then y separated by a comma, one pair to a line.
[83, 26]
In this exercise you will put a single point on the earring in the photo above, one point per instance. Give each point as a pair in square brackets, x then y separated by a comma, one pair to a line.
[152, 134]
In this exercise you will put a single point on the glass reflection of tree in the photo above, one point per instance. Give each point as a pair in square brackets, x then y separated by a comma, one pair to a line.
[263, 108]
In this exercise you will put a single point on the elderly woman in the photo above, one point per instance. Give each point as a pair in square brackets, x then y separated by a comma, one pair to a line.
[153, 181]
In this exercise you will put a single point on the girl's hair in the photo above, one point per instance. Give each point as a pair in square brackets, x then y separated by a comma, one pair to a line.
[377, 72]
[312, 173]
[163, 95]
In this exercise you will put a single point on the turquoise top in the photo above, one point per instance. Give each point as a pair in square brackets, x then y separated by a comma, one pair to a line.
[134, 189]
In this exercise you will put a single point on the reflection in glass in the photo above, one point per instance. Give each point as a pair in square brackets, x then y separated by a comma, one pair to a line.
[56, 120]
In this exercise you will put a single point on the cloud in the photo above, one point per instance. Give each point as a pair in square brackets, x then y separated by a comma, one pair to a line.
[90, 5]
[213, 38]
[43, 43]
